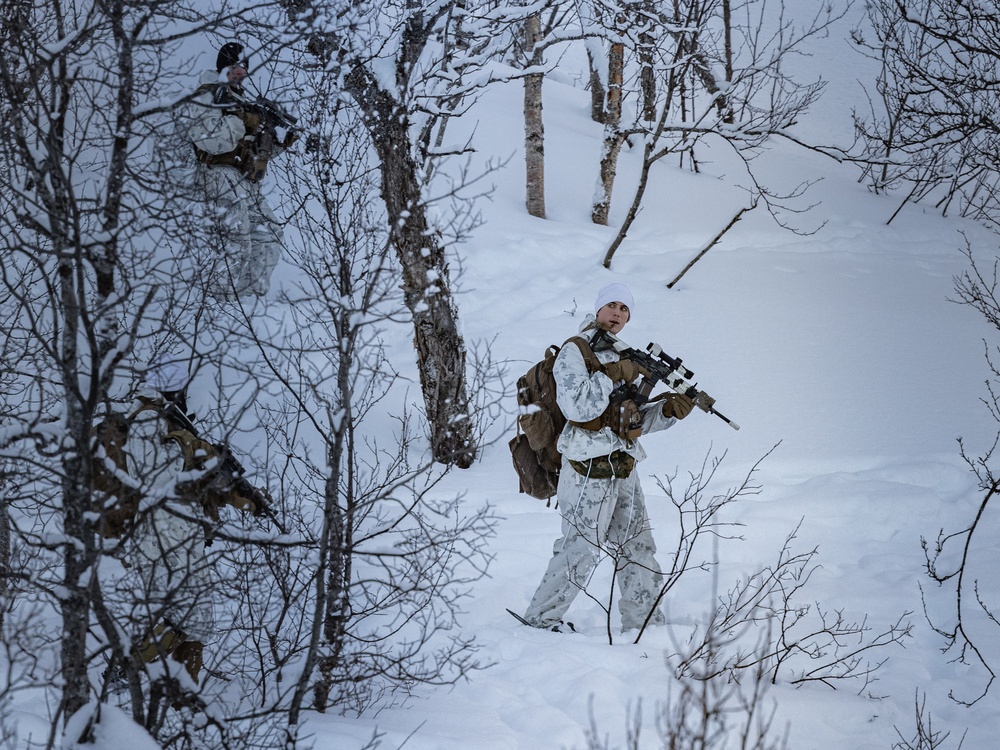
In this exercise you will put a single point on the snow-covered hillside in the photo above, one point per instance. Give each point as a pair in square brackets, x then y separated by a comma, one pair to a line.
[838, 351]
[840, 347]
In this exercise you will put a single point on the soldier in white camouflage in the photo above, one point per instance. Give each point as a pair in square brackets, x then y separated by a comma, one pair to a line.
[233, 144]
[600, 498]
[182, 490]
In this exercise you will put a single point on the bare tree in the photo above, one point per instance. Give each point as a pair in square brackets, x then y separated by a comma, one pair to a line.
[430, 51]
[705, 714]
[534, 129]
[760, 626]
[932, 130]
[542, 27]
[377, 585]
[949, 559]
[61, 236]
[614, 136]
[758, 103]
[758, 632]
[93, 283]
[925, 737]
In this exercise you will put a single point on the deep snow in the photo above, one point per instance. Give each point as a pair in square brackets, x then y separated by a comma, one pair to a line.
[840, 347]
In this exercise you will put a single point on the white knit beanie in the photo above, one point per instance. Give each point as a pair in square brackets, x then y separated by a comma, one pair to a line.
[614, 292]
[166, 374]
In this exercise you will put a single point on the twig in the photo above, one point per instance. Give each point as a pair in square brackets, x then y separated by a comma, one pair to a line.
[710, 245]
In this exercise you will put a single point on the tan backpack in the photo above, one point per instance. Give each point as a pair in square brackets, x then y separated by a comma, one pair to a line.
[117, 500]
[533, 449]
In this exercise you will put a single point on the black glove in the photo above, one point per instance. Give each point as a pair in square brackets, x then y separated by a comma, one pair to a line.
[677, 405]
[624, 370]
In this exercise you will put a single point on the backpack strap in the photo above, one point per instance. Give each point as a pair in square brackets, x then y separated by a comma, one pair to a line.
[589, 358]
[146, 404]
[593, 365]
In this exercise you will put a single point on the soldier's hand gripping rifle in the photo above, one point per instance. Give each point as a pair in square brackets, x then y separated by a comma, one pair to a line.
[268, 110]
[660, 368]
[230, 466]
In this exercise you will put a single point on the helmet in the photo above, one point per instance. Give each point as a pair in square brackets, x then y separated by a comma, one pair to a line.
[230, 54]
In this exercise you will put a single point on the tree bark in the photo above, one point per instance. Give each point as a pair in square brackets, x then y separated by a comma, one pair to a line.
[597, 92]
[426, 284]
[647, 75]
[78, 551]
[613, 136]
[4, 549]
[534, 129]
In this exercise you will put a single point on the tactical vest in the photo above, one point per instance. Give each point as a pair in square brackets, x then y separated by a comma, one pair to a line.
[211, 491]
[117, 502]
[253, 151]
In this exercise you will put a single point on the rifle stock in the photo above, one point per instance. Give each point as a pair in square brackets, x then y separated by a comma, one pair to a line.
[661, 368]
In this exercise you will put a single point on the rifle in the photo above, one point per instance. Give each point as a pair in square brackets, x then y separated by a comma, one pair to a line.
[659, 367]
[270, 112]
[229, 464]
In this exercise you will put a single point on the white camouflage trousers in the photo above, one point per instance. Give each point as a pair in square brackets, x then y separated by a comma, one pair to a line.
[175, 575]
[600, 518]
[248, 235]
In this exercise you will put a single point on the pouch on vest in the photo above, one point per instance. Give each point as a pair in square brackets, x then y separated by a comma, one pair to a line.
[624, 419]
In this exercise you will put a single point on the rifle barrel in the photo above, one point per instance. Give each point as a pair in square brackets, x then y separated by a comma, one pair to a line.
[725, 419]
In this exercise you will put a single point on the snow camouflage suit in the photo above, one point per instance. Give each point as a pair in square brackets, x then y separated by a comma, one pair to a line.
[598, 513]
[171, 538]
[248, 234]
[170, 554]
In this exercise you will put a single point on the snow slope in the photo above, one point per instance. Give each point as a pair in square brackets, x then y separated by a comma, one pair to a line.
[839, 349]
[840, 346]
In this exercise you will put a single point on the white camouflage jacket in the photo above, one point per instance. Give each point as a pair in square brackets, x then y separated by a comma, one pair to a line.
[583, 396]
[209, 128]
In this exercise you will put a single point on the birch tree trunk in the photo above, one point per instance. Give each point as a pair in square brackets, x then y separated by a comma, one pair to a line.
[534, 129]
[418, 245]
[613, 136]
[426, 284]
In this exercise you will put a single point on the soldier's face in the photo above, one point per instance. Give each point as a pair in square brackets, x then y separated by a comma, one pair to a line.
[613, 316]
[236, 74]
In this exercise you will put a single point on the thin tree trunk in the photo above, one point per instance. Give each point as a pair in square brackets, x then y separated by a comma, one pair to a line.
[709, 246]
[4, 549]
[647, 75]
[334, 579]
[633, 210]
[77, 552]
[613, 136]
[674, 87]
[597, 92]
[534, 129]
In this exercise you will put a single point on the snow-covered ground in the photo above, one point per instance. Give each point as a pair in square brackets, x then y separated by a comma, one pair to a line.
[839, 346]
